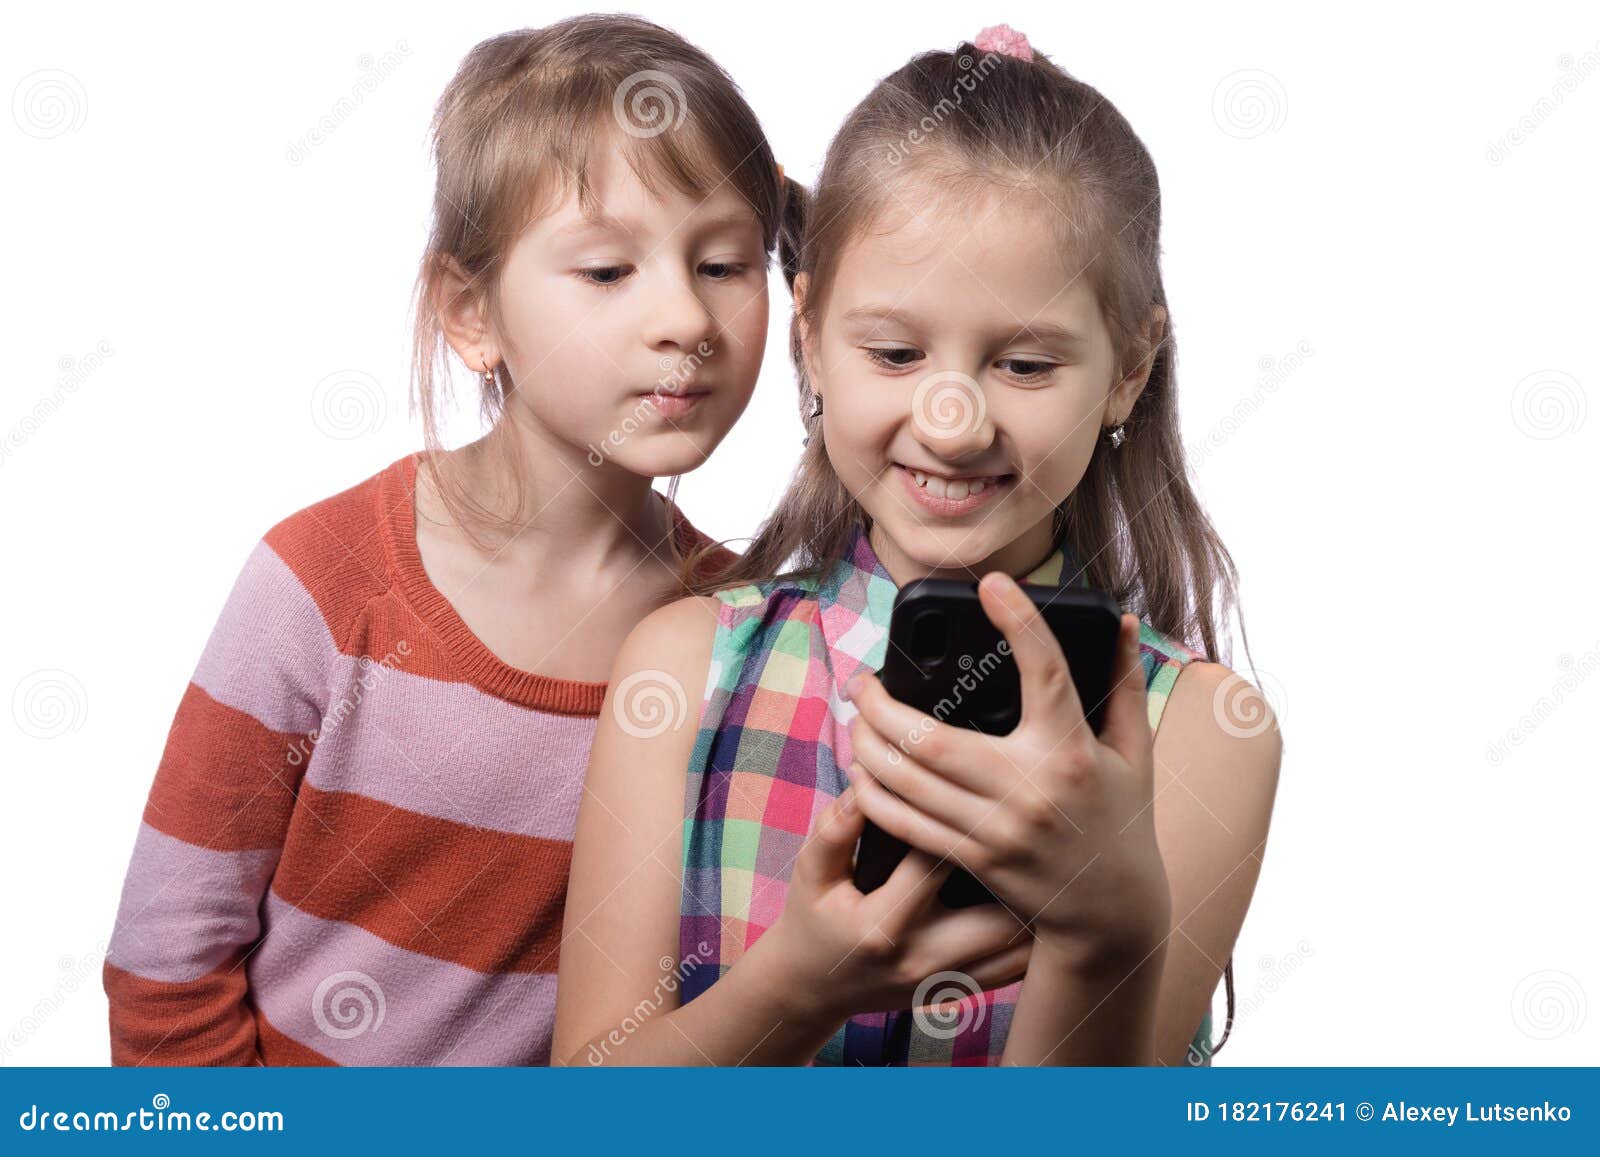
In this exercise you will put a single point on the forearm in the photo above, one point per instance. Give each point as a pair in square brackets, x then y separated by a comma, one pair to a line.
[748, 1017]
[1075, 1010]
[205, 1021]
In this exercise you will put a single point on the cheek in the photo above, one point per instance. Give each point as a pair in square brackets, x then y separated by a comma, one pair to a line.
[864, 412]
[750, 317]
[745, 340]
[561, 336]
[1055, 446]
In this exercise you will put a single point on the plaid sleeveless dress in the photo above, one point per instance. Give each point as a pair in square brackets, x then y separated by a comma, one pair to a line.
[772, 740]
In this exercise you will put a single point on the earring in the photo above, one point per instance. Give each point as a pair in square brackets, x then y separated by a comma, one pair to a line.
[816, 412]
[1117, 437]
[491, 380]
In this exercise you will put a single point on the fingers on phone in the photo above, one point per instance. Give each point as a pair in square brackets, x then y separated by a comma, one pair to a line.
[1040, 660]
[1127, 726]
[923, 874]
[912, 888]
[826, 854]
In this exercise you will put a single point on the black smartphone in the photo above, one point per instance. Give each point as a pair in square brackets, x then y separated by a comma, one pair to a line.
[947, 659]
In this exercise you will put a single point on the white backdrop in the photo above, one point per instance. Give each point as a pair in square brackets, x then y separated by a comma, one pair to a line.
[1380, 255]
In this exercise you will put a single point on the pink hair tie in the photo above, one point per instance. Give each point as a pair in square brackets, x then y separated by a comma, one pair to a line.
[1006, 40]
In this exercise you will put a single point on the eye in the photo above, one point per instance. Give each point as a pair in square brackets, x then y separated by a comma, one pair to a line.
[722, 270]
[894, 357]
[604, 275]
[1026, 370]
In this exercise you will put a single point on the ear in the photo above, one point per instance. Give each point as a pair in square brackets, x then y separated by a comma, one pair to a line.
[1151, 336]
[461, 305]
[800, 333]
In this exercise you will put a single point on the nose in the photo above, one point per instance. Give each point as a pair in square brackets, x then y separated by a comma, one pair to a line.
[950, 416]
[678, 319]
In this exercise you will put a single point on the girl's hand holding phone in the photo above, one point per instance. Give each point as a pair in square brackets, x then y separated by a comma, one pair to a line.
[1056, 821]
[834, 952]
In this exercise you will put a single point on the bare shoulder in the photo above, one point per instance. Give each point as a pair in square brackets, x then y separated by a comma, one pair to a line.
[676, 638]
[1218, 721]
[1217, 755]
[653, 696]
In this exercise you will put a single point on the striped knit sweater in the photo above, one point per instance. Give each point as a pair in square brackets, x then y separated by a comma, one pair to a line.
[356, 847]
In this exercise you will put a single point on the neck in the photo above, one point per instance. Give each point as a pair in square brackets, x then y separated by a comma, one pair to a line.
[593, 515]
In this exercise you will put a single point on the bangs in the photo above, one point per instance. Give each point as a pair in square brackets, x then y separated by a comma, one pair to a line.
[680, 159]
[536, 175]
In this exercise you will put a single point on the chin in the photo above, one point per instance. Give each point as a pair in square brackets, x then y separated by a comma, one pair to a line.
[948, 547]
[673, 454]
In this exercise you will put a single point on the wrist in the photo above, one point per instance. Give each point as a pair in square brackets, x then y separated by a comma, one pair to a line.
[784, 987]
[1137, 929]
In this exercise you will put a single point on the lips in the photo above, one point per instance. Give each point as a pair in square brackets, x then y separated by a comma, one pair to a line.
[675, 404]
[947, 495]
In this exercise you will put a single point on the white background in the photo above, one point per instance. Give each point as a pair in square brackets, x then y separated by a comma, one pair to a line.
[1410, 504]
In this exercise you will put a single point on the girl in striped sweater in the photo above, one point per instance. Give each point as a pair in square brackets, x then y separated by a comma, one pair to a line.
[357, 843]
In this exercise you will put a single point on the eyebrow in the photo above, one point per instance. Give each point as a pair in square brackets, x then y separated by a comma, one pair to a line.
[1038, 331]
[603, 223]
[1048, 332]
[877, 313]
[596, 224]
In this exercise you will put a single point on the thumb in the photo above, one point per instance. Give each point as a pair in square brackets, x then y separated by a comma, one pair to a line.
[825, 857]
[1127, 725]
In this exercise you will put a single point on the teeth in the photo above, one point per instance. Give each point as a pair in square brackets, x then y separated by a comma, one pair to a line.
[954, 489]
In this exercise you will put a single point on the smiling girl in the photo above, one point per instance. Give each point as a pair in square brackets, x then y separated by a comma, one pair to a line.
[357, 844]
[986, 363]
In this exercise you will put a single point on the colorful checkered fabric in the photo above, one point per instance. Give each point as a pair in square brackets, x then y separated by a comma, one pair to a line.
[772, 741]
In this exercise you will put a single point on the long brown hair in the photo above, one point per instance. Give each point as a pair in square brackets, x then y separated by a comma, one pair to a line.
[1133, 521]
[513, 134]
